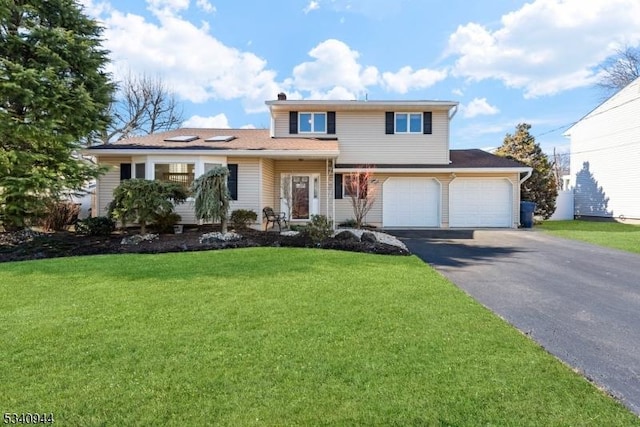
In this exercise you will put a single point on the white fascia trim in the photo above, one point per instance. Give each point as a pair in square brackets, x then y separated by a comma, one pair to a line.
[527, 176]
[435, 170]
[290, 104]
[321, 154]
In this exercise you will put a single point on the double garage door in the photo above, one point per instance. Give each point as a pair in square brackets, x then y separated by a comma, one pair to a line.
[473, 202]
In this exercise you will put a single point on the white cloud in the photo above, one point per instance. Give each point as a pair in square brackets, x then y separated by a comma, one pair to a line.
[173, 48]
[335, 69]
[547, 46]
[206, 6]
[458, 92]
[406, 79]
[95, 8]
[313, 5]
[219, 121]
[247, 127]
[478, 107]
[336, 93]
[168, 7]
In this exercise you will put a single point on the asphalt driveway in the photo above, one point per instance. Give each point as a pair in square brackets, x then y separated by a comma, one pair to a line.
[579, 301]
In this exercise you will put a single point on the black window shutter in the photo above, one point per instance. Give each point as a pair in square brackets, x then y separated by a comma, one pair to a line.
[389, 119]
[426, 122]
[331, 122]
[232, 181]
[293, 122]
[337, 180]
[125, 171]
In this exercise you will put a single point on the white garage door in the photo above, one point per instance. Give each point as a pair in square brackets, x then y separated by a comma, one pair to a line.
[480, 203]
[411, 202]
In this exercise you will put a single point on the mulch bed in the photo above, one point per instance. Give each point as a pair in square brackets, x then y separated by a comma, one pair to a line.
[65, 244]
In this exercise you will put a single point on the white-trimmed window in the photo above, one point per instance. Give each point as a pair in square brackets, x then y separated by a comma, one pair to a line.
[180, 173]
[354, 185]
[312, 122]
[408, 123]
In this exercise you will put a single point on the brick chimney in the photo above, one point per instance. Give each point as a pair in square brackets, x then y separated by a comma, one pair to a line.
[282, 96]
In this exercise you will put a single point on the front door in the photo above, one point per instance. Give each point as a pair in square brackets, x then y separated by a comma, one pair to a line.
[299, 196]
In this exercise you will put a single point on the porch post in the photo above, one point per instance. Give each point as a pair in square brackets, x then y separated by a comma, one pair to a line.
[330, 190]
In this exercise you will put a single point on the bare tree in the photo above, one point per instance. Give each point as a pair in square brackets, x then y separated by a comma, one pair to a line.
[560, 165]
[361, 190]
[290, 196]
[620, 70]
[143, 105]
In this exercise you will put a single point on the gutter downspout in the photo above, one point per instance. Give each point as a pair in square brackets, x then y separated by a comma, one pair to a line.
[451, 115]
[333, 192]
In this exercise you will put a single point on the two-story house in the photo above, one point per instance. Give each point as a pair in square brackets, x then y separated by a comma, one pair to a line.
[605, 151]
[313, 147]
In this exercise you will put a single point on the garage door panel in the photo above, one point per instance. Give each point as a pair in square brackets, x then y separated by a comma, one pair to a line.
[411, 202]
[480, 203]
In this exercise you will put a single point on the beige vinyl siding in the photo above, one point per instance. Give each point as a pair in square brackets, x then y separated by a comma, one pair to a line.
[281, 125]
[605, 153]
[248, 184]
[187, 212]
[362, 139]
[344, 210]
[107, 183]
[249, 178]
[302, 167]
[268, 185]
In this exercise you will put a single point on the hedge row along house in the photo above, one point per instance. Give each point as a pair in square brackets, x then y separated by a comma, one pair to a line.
[305, 162]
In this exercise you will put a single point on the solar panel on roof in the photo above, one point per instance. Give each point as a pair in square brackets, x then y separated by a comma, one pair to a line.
[181, 138]
[221, 138]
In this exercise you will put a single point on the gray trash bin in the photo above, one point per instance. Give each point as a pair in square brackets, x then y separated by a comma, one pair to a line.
[526, 213]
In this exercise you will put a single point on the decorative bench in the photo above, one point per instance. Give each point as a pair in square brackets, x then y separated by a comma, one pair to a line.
[273, 218]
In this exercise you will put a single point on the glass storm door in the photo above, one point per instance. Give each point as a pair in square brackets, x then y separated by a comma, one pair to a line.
[300, 189]
[299, 195]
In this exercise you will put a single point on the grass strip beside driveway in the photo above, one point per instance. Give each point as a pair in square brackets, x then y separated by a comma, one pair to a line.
[615, 235]
[272, 336]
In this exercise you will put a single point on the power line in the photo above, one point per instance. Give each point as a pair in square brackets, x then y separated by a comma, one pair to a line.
[589, 115]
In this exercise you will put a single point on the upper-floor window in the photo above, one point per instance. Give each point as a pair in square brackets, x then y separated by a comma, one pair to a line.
[312, 122]
[408, 122]
[321, 122]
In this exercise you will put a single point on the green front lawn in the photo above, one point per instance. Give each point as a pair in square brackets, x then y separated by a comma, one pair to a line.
[272, 336]
[616, 235]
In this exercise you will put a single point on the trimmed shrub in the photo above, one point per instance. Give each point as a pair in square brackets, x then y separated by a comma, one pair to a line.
[297, 227]
[164, 222]
[349, 223]
[141, 200]
[241, 218]
[319, 229]
[96, 226]
[60, 215]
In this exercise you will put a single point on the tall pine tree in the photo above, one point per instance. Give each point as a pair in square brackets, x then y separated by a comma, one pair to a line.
[54, 92]
[541, 186]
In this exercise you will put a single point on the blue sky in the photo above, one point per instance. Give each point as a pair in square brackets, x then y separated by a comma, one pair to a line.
[504, 61]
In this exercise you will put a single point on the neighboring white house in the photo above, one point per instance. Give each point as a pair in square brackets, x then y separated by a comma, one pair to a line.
[314, 147]
[605, 157]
